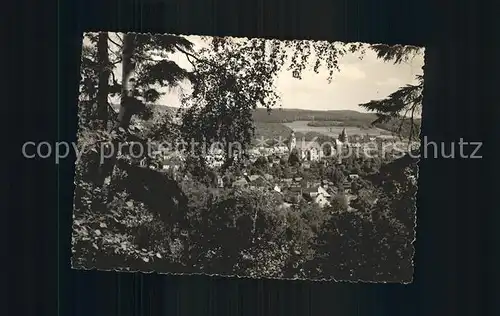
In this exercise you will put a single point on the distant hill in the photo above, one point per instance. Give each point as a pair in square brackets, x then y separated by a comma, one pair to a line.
[280, 115]
[394, 124]
[331, 118]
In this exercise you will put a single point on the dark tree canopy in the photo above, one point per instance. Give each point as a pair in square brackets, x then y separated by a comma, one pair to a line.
[402, 105]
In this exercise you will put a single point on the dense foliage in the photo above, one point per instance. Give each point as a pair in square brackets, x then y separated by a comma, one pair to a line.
[248, 232]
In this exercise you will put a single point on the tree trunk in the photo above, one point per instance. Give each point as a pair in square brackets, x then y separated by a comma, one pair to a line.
[102, 99]
[125, 113]
[128, 66]
[126, 106]
[103, 84]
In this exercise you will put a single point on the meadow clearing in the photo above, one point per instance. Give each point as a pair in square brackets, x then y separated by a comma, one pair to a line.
[333, 131]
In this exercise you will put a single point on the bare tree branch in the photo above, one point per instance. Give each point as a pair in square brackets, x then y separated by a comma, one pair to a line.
[109, 38]
[120, 38]
[188, 54]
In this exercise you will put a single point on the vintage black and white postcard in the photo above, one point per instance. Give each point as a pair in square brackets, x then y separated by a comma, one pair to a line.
[247, 157]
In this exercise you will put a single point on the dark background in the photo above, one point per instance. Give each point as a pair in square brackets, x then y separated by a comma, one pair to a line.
[454, 258]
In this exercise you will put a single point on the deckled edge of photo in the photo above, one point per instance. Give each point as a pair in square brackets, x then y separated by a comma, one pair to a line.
[417, 166]
[353, 281]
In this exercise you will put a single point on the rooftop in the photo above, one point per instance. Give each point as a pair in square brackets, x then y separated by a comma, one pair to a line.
[311, 190]
[304, 145]
[295, 189]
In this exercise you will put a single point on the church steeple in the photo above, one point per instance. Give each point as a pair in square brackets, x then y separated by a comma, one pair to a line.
[343, 136]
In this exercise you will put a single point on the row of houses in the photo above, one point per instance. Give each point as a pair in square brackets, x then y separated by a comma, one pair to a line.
[294, 190]
[308, 153]
[291, 190]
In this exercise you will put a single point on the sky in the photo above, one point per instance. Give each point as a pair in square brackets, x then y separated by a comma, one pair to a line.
[358, 81]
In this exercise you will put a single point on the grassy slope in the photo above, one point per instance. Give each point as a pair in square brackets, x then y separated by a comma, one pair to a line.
[290, 115]
[326, 118]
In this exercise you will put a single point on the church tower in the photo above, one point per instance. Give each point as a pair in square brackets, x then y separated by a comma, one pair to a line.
[342, 143]
[343, 136]
[292, 142]
[338, 150]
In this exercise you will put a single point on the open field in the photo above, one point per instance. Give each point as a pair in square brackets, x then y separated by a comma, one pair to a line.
[330, 123]
[281, 115]
[281, 122]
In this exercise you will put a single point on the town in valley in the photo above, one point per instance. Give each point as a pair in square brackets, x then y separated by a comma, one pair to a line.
[298, 170]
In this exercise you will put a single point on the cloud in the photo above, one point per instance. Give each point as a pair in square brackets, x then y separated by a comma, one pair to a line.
[350, 71]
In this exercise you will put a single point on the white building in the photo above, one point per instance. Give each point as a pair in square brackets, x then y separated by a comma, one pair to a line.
[253, 151]
[313, 151]
[309, 151]
[281, 149]
[321, 200]
[292, 142]
[220, 182]
[323, 192]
